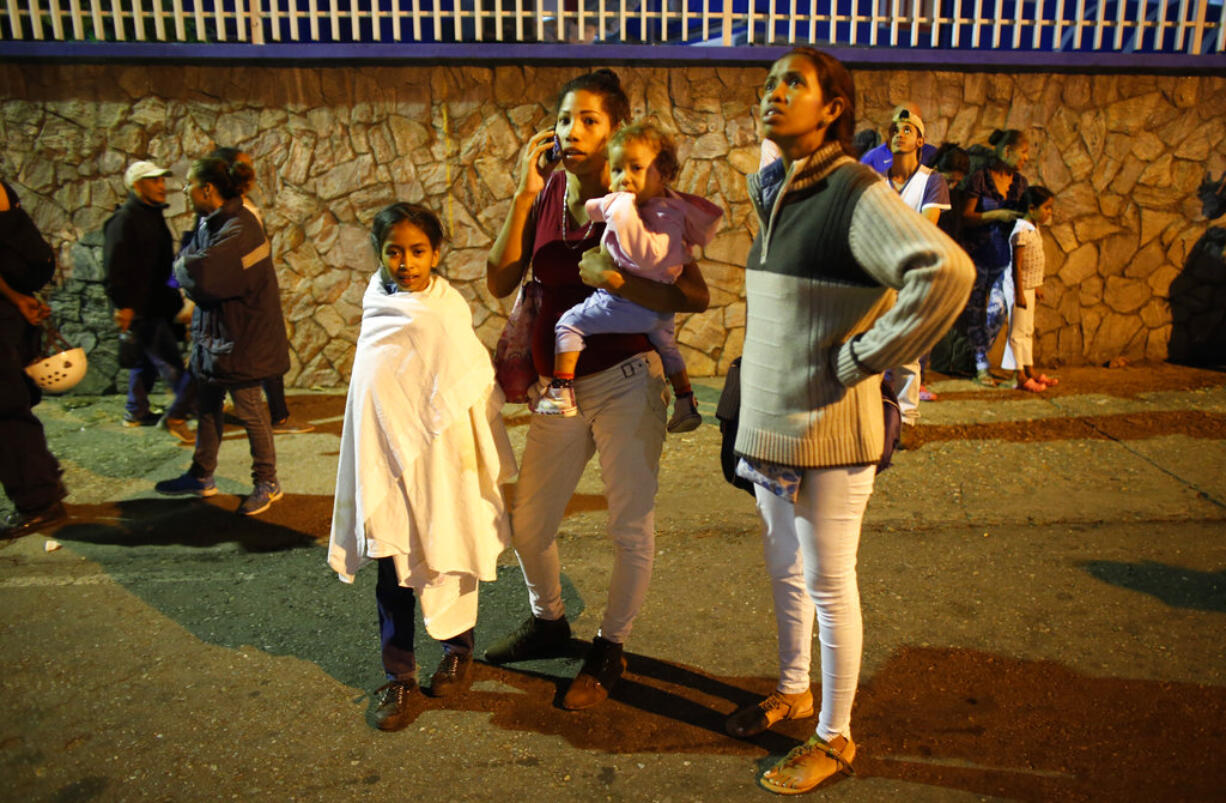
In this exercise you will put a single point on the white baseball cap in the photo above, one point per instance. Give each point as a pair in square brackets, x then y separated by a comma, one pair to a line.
[140, 170]
[902, 114]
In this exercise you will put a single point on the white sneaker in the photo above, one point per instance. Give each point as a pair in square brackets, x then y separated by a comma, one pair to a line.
[557, 400]
[686, 417]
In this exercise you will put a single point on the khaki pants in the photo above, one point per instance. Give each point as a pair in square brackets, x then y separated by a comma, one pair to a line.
[621, 417]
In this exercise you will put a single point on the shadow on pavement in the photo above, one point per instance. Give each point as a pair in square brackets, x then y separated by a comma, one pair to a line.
[950, 718]
[1036, 730]
[194, 522]
[1174, 585]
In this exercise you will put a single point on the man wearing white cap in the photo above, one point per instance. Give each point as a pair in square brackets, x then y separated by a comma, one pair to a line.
[138, 253]
[881, 157]
[926, 192]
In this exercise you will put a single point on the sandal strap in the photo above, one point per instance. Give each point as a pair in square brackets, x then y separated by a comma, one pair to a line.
[822, 746]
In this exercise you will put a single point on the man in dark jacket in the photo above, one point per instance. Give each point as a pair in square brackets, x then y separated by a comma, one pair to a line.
[238, 333]
[137, 255]
[29, 473]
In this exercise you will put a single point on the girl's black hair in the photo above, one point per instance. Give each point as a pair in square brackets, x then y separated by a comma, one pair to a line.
[229, 179]
[651, 134]
[230, 157]
[603, 82]
[420, 216]
[836, 82]
[1036, 195]
[1003, 138]
[951, 157]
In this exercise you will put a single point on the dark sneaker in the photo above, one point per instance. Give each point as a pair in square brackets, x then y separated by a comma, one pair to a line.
[288, 426]
[454, 675]
[149, 419]
[601, 670]
[185, 485]
[177, 427]
[261, 498]
[17, 524]
[535, 638]
[686, 417]
[775, 707]
[400, 702]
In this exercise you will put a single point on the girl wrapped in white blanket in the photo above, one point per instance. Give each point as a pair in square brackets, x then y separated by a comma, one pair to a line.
[423, 454]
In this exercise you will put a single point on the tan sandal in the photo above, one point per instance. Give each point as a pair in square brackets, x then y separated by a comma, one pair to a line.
[809, 764]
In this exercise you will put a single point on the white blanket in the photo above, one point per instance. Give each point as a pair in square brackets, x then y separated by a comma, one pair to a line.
[423, 453]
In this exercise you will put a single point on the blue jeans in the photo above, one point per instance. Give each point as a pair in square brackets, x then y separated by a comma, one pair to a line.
[249, 408]
[397, 624]
[161, 358]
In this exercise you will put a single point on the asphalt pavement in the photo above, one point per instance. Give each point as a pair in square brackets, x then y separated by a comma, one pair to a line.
[1043, 584]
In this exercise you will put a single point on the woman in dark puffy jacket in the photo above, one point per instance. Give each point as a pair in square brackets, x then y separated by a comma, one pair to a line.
[238, 333]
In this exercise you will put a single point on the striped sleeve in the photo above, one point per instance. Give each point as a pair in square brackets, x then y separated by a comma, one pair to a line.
[932, 275]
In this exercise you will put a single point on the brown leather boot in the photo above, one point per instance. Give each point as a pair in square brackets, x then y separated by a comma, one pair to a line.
[399, 704]
[754, 719]
[454, 675]
[602, 667]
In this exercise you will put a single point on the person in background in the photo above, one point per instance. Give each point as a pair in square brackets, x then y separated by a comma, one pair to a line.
[137, 253]
[1029, 264]
[881, 157]
[953, 163]
[29, 472]
[238, 332]
[993, 202]
[274, 386]
[865, 141]
[925, 191]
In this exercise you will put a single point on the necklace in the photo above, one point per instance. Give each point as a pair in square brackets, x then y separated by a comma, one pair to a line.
[587, 230]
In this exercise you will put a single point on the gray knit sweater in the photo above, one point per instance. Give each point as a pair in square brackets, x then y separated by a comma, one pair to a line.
[835, 243]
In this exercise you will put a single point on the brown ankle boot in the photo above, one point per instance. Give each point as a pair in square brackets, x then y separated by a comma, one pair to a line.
[602, 667]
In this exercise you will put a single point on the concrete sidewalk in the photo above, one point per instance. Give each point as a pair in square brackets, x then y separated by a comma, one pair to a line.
[1043, 582]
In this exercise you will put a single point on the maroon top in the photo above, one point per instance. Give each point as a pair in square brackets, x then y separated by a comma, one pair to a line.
[555, 263]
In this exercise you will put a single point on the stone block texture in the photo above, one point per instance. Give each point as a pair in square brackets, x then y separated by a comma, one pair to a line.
[1123, 153]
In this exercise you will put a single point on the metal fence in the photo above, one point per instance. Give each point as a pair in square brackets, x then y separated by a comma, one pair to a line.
[1192, 27]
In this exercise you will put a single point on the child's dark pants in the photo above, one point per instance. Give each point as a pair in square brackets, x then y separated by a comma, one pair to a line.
[396, 625]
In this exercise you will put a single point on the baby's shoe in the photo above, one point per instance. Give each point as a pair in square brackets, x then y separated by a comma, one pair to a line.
[559, 399]
[1033, 385]
[686, 417]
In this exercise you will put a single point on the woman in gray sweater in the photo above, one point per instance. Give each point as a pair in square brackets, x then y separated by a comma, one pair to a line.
[843, 281]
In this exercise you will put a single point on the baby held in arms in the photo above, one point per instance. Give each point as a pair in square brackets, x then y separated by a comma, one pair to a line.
[650, 231]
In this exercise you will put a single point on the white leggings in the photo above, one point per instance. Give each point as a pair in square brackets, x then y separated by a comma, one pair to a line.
[810, 551]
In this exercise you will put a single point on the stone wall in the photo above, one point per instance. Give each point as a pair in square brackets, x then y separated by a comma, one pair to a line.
[1124, 154]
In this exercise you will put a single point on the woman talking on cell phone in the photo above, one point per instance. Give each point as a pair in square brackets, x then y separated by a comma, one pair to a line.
[619, 384]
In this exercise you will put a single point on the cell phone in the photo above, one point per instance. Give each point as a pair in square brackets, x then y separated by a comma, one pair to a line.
[554, 153]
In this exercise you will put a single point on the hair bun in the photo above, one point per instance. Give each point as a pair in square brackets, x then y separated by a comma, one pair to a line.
[605, 72]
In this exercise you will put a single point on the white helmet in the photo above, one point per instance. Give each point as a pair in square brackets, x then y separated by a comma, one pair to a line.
[59, 372]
